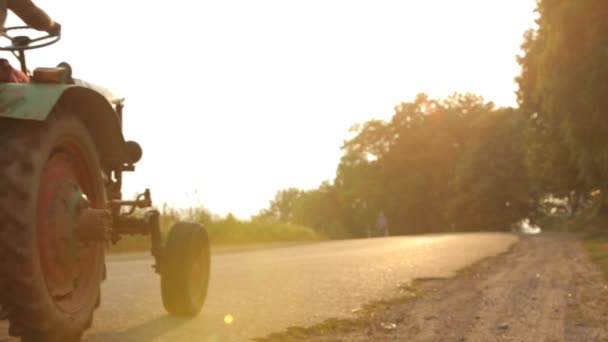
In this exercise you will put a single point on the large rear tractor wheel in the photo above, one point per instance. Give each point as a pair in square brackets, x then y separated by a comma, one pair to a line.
[50, 276]
[185, 265]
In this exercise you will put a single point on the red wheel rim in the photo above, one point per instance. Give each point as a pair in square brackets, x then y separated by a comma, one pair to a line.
[72, 280]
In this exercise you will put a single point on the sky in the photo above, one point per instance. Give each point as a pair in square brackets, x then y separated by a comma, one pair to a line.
[233, 100]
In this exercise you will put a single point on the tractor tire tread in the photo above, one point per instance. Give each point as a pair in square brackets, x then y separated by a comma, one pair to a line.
[20, 148]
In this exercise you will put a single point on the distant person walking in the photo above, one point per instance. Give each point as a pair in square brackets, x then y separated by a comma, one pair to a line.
[382, 224]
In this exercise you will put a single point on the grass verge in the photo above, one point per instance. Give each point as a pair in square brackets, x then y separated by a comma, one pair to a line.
[223, 232]
[584, 222]
[597, 245]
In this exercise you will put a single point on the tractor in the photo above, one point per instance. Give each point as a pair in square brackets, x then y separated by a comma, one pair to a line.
[62, 159]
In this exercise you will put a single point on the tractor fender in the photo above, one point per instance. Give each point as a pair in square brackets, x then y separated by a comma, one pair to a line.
[36, 102]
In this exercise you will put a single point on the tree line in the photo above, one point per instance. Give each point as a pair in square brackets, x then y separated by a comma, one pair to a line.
[462, 163]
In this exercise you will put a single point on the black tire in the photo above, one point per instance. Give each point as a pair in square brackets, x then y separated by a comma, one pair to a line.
[41, 307]
[185, 268]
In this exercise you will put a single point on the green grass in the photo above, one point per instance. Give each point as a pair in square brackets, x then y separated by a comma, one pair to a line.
[597, 245]
[232, 233]
[222, 231]
[584, 222]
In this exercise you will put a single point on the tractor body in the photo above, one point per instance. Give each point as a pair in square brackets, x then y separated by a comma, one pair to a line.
[62, 159]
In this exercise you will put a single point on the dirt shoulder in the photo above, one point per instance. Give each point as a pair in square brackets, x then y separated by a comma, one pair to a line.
[544, 289]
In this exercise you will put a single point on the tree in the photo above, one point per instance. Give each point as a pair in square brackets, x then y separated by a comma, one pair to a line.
[406, 167]
[321, 210]
[563, 88]
[491, 185]
[282, 206]
[437, 165]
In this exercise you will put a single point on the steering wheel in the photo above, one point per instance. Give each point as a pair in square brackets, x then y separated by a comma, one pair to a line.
[22, 42]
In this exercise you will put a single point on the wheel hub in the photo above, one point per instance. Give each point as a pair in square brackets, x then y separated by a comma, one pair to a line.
[72, 202]
[81, 224]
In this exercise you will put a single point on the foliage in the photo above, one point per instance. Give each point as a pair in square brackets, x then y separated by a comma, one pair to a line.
[223, 231]
[563, 90]
[437, 165]
[492, 187]
[460, 163]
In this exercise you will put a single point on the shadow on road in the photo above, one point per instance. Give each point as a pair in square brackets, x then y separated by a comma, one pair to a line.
[146, 331]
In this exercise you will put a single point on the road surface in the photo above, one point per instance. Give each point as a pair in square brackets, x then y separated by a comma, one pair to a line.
[268, 290]
[544, 289]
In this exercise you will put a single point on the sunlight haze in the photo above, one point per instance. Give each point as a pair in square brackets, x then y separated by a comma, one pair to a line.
[234, 100]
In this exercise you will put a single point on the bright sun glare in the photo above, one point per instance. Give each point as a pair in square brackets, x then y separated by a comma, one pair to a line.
[233, 100]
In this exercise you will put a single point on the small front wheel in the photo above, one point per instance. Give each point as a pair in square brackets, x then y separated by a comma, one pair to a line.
[184, 269]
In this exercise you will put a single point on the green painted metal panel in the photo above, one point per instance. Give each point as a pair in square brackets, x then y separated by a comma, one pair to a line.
[29, 101]
[36, 102]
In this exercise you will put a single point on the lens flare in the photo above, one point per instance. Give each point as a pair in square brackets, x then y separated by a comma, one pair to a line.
[228, 319]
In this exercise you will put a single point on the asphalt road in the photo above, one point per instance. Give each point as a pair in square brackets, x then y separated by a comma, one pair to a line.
[267, 290]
